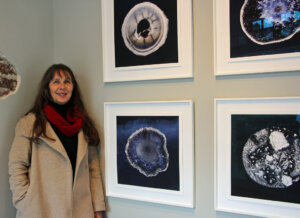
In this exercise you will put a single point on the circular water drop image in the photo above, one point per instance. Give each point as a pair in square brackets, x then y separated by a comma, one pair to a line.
[146, 150]
[271, 157]
[270, 21]
[145, 29]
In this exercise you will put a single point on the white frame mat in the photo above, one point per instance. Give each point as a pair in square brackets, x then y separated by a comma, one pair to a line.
[224, 201]
[184, 110]
[182, 69]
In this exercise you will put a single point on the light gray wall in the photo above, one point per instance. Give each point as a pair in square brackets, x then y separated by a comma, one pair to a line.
[77, 42]
[77, 28]
[26, 39]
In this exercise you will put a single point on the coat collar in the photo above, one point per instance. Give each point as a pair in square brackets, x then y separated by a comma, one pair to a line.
[58, 146]
[55, 143]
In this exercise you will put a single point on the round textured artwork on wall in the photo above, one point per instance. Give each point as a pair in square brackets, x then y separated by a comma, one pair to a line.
[145, 32]
[9, 79]
[145, 29]
[271, 157]
[267, 22]
[146, 150]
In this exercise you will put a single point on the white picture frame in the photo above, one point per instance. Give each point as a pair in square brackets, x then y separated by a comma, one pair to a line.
[224, 64]
[182, 68]
[116, 162]
[251, 203]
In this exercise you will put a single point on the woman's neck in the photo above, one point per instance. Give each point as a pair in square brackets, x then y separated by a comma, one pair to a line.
[62, 109]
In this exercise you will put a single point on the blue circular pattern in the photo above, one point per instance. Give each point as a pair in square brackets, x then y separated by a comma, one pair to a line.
[146, 150]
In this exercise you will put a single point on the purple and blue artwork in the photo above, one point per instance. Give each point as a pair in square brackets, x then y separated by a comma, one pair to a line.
[265, 157]
[279, 18]
[264, 27]
[148, 151]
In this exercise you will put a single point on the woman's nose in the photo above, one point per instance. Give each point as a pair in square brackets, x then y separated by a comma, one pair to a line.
[62, 85]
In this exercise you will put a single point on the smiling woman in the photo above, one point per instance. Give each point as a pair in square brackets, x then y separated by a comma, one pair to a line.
[57, 141]
[61, 87]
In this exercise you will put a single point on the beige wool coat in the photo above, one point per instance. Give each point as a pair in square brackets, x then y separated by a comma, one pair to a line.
[41, 177]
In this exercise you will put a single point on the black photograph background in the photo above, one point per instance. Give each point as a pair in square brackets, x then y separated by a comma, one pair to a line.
[242, 127]
[127, 174]
[168, 53]
[242, 46]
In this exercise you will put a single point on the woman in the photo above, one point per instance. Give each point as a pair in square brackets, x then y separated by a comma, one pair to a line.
[53, 163]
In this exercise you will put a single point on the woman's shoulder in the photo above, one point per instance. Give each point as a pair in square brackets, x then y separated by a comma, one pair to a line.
[26, 122]
[27, 118]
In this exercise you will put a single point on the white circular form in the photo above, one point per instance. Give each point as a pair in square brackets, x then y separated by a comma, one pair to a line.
[145, 29]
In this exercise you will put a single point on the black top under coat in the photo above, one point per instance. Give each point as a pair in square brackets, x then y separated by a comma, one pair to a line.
[70, 143]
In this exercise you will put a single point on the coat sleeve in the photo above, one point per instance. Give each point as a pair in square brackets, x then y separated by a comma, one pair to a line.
[96, 180]
[19, 163]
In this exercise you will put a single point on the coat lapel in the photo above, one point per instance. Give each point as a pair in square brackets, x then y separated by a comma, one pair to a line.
[58, 146]
[56, 143]
[81, 152]
[82, 148]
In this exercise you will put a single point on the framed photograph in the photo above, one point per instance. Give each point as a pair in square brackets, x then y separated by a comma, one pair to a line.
[256, 36]
[257, 156]
[146, 40]
[149, 151]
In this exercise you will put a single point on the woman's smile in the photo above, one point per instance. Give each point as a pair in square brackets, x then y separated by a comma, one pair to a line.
[61, 87]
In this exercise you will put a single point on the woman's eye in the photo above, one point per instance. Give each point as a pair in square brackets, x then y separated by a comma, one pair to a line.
[68, 81]
[56, 81]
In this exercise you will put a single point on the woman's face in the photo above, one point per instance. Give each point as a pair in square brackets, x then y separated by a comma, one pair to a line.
[61, 87]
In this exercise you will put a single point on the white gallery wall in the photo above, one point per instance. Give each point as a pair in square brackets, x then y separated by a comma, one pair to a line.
[69, 31]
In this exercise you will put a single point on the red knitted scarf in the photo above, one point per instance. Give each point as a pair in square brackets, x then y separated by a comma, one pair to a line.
[69, 126]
